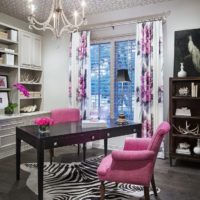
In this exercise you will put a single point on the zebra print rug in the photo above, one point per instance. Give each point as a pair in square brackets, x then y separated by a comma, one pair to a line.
[78, 181]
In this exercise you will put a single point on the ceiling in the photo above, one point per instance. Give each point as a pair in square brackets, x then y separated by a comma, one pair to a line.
[20, 10]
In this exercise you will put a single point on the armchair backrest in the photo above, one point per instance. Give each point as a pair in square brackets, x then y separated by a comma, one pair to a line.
[63, 115]
[157, 138]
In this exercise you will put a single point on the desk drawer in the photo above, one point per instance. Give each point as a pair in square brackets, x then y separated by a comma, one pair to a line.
[125, 131]
[82, 138]
[62, 141]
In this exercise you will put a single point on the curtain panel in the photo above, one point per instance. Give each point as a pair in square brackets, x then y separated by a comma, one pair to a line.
[79, 91]
[148, 107]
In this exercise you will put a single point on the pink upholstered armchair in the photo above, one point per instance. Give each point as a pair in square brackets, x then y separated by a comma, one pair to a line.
[63, 115]
[135, 163]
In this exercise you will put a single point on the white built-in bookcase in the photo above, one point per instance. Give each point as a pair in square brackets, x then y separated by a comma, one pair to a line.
[26, 69]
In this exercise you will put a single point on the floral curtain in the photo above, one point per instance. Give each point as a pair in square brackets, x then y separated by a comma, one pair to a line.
[79, 72]
[148, 107]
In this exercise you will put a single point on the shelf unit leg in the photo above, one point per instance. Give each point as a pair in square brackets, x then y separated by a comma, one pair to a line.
[170, 160]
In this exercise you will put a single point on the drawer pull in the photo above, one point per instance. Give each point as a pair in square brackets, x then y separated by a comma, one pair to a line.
[108, 134]
[55, 143]
[93, 137]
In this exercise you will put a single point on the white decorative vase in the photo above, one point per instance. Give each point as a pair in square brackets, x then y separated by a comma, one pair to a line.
[197, 148]
[182, 73]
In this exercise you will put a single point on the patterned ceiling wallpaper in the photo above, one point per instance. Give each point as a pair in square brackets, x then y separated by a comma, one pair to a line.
[20, 10]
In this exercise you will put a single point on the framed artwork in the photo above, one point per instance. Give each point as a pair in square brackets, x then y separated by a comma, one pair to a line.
[3, 99]
[3, 81]
[187, 51]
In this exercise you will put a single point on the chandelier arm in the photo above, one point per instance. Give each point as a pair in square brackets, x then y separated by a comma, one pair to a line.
[66, 26]
[64, 17]
[42, 28]
[32, 19]
[67, 21]
[64, 29]
[81, 22]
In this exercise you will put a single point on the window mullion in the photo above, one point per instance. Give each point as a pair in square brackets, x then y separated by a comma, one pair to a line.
[112, 80]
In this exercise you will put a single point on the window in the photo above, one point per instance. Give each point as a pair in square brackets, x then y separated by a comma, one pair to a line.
[102, 97]
[100, 80]
[125, 59]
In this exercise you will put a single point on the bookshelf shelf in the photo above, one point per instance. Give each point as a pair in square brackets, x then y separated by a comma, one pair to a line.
[7, 41]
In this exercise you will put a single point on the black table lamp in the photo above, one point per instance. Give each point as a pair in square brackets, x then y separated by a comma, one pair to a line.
[122, 76]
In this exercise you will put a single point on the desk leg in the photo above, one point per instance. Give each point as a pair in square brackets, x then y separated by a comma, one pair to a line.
[105, 146]
[18, 157]
[40, 163]
[84, 151]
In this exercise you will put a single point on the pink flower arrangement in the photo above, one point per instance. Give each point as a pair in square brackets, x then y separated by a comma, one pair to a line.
[44, 121]
[22, 89]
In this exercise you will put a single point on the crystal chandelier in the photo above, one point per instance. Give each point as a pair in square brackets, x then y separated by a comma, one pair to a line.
[57, 22]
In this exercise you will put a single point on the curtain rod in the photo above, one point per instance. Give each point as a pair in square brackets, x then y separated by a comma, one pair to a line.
[159, 16]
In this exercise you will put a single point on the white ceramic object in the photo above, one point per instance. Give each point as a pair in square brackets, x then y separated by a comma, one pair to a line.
[182, 73]
[197, 148]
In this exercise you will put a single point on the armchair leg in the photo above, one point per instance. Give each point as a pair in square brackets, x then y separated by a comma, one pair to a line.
[51, 153]
[78, 149]
[154, 185]
[102, 190]
[146, 193]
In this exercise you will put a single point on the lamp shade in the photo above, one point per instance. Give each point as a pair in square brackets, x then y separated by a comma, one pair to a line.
[122, 75]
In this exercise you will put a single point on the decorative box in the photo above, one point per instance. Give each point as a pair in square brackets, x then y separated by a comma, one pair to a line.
[13, 35]
[94, 123]
[8, 59]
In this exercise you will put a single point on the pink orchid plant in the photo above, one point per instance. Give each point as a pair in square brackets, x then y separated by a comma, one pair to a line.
[11, 106]
[22, 89]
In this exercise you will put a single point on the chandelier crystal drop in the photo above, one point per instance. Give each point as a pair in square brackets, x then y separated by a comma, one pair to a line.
[57, 22]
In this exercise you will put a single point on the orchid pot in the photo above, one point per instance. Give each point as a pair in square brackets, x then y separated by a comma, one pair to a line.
[43, 129]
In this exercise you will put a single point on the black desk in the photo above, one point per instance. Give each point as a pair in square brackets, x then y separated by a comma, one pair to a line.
[63, 135]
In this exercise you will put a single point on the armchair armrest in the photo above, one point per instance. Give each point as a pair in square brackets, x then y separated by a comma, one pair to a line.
[133, 155]
[136, 143]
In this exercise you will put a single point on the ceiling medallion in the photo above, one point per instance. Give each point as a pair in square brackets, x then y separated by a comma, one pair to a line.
[57, 22]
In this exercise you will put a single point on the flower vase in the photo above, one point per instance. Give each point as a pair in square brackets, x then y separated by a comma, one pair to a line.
[182, 73]
[197, 148]
[43, 129]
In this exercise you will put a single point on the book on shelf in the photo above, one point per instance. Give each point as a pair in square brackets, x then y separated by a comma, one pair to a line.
[194, 90]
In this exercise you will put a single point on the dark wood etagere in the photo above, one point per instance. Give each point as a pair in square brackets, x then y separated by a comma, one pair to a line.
[182, 142]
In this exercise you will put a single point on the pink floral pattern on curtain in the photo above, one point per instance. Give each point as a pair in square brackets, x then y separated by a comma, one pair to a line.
[78, 87]
[148, 108]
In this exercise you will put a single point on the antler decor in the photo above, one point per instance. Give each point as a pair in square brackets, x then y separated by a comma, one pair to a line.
[186, 130]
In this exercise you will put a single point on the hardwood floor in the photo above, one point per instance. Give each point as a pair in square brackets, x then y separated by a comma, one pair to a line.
[181, 182]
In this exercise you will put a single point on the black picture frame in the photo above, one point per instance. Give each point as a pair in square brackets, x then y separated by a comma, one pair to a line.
[184, 40]
[4, 100]
[3, 81]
